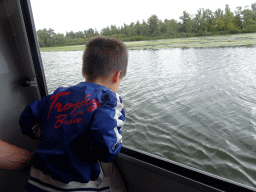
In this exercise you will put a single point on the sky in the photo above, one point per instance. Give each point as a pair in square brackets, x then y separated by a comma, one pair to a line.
[79, 15]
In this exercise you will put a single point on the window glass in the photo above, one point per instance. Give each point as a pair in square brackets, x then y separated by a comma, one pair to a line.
[189, 90]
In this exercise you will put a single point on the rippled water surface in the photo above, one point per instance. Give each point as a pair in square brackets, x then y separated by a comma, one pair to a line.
[193, 106]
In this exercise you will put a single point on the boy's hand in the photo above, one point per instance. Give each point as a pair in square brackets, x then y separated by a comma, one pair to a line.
[37, 131]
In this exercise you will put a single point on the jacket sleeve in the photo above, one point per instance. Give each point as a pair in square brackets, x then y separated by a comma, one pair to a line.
[31, 116]
[106, 135]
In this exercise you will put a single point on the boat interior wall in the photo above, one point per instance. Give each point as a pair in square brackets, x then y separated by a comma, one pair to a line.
[140, 169]
[15, 62]
[142, 176]
[139, 177]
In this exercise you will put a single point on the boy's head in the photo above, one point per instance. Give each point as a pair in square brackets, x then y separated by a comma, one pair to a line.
[103, 57]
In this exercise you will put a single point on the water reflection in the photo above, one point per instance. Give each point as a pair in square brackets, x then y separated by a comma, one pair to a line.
[194, 106]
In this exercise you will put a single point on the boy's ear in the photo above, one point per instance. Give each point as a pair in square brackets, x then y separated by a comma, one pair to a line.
[116, 76]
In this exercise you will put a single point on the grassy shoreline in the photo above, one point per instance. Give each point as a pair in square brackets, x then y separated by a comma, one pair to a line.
[248, 39]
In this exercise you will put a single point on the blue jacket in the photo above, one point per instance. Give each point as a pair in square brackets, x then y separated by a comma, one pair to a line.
[80, 125]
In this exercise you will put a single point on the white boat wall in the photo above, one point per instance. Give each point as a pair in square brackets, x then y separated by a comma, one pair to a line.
[22, 80]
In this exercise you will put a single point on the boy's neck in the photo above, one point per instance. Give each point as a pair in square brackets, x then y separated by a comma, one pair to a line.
[104, 83]
[112, 81]
[98, 82]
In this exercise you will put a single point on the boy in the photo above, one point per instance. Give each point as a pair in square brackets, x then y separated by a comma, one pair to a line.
[80, 125]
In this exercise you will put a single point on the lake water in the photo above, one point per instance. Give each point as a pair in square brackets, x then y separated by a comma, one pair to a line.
[193, 106]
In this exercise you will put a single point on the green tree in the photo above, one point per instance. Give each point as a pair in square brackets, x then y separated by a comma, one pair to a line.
[125, 29]
[138, 27]
[232, 28]
[220, 24]
[131, 29]
[218, 14]
[119, 30]
[249, 26]
[163, 26]
[237, 20]
[96, 33]
[169, 27]
[113, 30]
[45, 37]
[249, 19]
[247, 14]
[90, 33]
[207, 18]
[238, 10]
[213, 25]
[122, 30]
[79, 34]
[228, 16]
[71, 35]
[105, 31]
[202, 20]
[172, 27]
[144, 28]
[186, 22]
[154, 25]
[58, 39]
[253, 6]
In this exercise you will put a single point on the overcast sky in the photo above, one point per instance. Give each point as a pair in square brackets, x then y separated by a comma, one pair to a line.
[79, 15]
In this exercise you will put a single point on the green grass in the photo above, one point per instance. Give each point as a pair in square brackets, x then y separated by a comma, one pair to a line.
[197, 42]
[248, 39]
[64, 48]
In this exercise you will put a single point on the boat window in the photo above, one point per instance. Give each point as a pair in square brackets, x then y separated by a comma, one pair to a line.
[190, 86]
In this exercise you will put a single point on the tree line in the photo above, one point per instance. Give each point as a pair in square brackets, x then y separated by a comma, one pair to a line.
[204, 22]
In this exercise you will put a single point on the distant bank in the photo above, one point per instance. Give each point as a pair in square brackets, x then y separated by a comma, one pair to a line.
[248, 39]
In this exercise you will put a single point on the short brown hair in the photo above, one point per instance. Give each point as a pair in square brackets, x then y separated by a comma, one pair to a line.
[103, 56]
